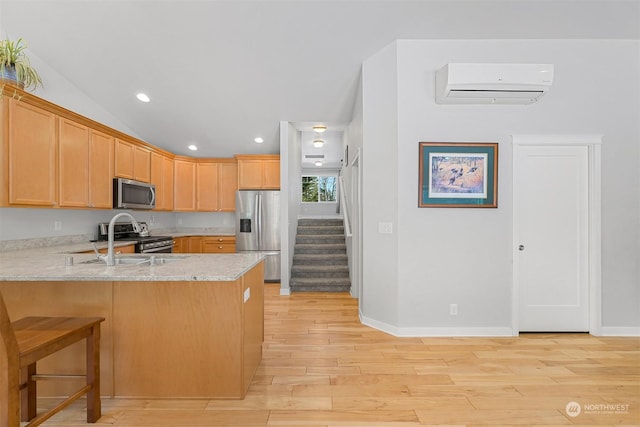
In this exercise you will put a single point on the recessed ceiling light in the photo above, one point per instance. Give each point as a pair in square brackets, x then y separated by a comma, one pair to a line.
[259, 140]
[319, 128]
[193, 147]
[318, 143]
[318, 163]
[143, 97]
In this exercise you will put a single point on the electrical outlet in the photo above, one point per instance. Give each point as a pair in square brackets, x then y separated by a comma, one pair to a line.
[179, 221]
[385, 227]
[57, 225]
[453, 309]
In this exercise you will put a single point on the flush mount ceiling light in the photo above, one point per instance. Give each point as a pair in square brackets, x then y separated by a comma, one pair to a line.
[318, 143]
[193, 147]
[259, 140]
[318, 163]
[143, 97]
[319, 128]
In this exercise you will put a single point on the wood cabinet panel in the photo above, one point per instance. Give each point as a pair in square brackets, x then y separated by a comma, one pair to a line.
[73, 164]
[184, 197]
[123, 167]
[132, 161]
[195, 244]
[197, 344]
[161, 175]
[207, 186]
[250, 174]
[31, 153]
[227, 186]
[180, 245]
[272, 174]
[253, 323]
[219, 244]
[258, 172]
[141, 164]
[100, 170]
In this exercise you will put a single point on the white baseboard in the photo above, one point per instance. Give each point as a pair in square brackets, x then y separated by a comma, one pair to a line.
[285, 291]
[619, 331]
[437, 332]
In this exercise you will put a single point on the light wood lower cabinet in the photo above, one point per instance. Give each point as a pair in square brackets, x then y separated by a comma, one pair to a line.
[219, 244]
[205, 244]
[160, 339]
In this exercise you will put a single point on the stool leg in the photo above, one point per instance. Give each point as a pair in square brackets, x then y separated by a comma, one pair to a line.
[94, 409]
[28, 395]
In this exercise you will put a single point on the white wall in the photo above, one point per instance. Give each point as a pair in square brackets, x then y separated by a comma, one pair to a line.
[290, 170]
[24, 223]
[380, 188]
[441, 256]
[353, 140]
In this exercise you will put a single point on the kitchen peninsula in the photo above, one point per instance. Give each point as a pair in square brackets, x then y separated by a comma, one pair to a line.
[192, 327]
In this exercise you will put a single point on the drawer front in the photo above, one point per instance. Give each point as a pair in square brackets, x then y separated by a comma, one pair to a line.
[219, 244]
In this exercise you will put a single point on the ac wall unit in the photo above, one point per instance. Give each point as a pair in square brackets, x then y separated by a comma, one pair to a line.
[492, 83]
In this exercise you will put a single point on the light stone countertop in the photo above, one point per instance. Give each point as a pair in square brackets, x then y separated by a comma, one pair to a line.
[48, 264]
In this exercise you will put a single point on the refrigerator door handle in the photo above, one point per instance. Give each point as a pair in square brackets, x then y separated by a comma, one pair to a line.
[258, 210]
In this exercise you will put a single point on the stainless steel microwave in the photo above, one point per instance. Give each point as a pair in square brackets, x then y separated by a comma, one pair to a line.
[130, 194]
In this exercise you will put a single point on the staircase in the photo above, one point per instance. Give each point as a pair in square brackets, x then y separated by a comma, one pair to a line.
[320, 257]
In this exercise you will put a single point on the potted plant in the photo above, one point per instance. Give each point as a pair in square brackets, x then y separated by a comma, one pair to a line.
[15, 67]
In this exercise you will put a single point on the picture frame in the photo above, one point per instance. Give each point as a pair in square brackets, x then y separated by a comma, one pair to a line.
[458, 175]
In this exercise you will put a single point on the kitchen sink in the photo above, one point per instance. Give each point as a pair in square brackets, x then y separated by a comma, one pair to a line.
[139, 259]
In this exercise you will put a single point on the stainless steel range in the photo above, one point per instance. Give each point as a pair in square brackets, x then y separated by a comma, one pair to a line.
[144, 242]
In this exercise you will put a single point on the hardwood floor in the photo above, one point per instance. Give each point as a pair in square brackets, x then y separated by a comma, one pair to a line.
[322, 368]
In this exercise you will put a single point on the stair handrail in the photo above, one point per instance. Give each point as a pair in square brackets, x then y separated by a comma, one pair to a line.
[344, 208]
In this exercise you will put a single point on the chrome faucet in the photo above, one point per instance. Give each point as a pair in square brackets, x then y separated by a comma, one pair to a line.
[109, 257]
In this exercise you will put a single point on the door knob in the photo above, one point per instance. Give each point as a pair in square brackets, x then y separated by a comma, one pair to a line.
[521, 248]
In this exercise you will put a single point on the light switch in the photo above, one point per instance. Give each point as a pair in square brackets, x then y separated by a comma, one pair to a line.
[385, 227]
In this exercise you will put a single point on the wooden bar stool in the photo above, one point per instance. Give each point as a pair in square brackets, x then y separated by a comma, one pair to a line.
[30, 339]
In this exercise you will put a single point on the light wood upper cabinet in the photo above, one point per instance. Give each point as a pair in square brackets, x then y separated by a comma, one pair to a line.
[162, 177]
[272, 173]
[132, 161]
[73, 164]
[29, 163]
[100, 170]
[141, 164]
[184, 196]
[227, 185]
[258, 172]
[85, 160]
[216, 185]
[123, 159]
[207, 186]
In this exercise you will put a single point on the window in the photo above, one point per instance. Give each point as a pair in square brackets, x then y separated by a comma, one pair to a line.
[318, 189]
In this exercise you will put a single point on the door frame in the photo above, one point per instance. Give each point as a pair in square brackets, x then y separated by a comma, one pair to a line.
[594, 146]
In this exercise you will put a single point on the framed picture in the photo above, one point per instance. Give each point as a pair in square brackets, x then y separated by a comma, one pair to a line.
[458, 175]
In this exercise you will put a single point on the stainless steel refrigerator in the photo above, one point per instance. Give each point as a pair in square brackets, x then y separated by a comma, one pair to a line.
[258, 227]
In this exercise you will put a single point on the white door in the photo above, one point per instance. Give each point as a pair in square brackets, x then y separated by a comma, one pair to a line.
[551, 235]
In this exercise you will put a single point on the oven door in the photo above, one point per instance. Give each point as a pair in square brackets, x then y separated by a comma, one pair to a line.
[164, 249]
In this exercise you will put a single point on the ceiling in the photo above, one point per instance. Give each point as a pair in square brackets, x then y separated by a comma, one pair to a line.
[221, 73]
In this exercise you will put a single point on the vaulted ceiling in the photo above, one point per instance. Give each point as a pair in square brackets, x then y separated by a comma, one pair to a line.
[220, 73]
